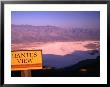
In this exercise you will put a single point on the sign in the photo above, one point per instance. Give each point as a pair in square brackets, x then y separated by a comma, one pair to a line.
[26, 60]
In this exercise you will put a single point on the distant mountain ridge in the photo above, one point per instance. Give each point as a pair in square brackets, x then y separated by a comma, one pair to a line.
[29, 33]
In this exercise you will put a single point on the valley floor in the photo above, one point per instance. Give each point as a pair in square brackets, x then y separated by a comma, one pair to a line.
[58, 48]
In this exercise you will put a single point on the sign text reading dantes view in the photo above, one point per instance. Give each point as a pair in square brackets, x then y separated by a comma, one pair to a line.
[26, 60]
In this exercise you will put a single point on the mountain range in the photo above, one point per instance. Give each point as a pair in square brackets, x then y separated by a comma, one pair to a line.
[29, 33]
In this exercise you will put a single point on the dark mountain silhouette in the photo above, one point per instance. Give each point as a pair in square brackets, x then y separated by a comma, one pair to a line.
[58, 61]
[89, 67]
[85, 68]
[29, 33]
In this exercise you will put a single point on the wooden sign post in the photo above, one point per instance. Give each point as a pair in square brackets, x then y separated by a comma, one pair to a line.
[25, 61]
[26, 73]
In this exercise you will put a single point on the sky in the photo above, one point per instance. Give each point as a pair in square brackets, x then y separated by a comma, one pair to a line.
[65, 19]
